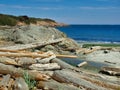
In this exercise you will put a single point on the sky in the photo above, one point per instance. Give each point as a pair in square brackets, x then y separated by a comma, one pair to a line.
[66, 11]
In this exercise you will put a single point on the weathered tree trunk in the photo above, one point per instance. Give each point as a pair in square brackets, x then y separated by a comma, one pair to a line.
[13, 71]
[54, 85]
[49, 66]
[32, 45]
[5, 81]
[68, 76]
[20, 84]
[8, 61]
[65, 65]
[110, 71]
[46, 60]
[33, 55]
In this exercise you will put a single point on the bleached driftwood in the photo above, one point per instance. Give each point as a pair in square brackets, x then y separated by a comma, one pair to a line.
[34, 55]
[54, 85]
[65, 65]
[33, 45]
[110, 71]
[49, 66]
[25, 61]
[8, 61]
[46, 60]
[13, 71]
[82, 64]
[68, 76]
[9, 50]
[20, 84]
[5, 81]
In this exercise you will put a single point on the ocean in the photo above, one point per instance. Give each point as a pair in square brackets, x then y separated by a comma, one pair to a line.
[93, 33]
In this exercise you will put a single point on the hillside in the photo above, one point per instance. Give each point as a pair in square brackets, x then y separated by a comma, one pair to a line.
[11, 20]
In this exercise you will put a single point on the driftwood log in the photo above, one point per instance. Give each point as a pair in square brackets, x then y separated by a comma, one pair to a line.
[49, 66]
[33, 55]
[65, 65]
[82, 64]
[32, 45]
[20, 84]
[54, 85]
[13, 71]
[5, 81]
[68, 76]
[8, 61]
[110, 71]
[17, 53]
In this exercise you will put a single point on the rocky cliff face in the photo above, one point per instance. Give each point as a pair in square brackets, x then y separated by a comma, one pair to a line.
[33, 33]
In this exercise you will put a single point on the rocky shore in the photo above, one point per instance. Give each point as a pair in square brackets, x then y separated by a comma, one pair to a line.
[30, 60]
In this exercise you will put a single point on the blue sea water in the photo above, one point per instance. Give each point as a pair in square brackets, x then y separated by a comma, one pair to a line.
[93, 33]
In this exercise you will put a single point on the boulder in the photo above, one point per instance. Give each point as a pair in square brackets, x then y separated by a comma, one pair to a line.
[30, 34]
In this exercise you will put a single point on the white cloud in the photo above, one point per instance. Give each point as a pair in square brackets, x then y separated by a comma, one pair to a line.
[47, 0]
[49, 8]
[98, 8]
[20, 7]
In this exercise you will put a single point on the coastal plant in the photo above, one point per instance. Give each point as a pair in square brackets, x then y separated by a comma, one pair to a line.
[28, 79]
[7, 20]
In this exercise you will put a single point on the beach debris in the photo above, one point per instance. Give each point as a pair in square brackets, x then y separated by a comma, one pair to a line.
[31, 45]
[70, 77]
[54, 85]
[109, 62]
[110, 71]
[20, 84]
[49, 66]
[82, 64]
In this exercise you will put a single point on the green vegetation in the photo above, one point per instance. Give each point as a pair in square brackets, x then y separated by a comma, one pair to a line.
[7, 20]
[103, 45]
[13, 20]
[31, 83]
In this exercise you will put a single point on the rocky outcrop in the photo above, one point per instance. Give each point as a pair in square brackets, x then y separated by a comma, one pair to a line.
[52, 24]
[33, 34]
[30, 34]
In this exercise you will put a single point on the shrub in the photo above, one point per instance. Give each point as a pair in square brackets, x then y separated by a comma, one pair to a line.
[31, 83]
[5, 20]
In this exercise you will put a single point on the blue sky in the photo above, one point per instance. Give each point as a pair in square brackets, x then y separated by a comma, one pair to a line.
[67, 11]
